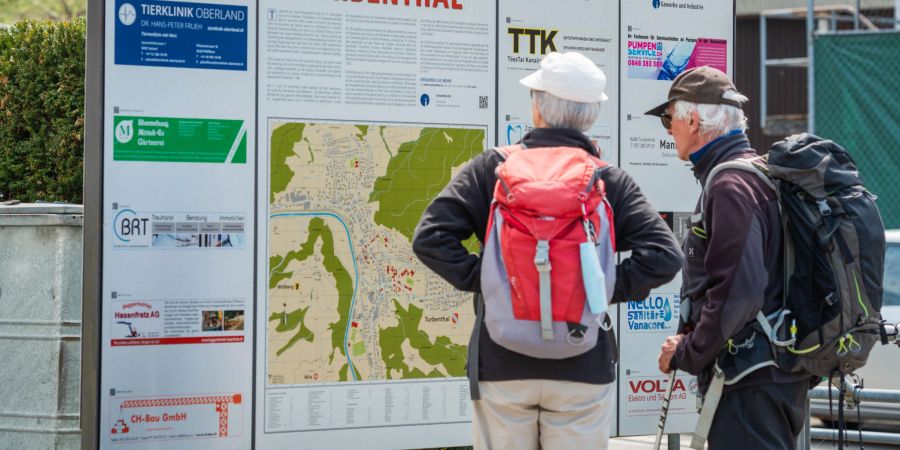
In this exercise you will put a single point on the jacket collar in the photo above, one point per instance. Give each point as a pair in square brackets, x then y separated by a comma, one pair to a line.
[695, 157]
[726, 148]
[558, 137]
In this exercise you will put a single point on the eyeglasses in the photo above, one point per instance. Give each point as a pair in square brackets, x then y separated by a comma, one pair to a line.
[666, 119]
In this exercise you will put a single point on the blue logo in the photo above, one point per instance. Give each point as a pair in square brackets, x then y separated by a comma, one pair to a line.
[424, 99]
[127, 225]
[656, 4]
[654, 313]
[513, 134]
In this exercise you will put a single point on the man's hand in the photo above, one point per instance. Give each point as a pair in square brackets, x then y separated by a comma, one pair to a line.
[667, 351]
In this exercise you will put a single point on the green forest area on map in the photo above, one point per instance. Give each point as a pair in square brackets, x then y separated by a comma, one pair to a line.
[441, 352]
[417, 173]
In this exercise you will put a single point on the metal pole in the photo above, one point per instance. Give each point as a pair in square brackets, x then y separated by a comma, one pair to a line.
[869, 437]
[897, 14]
[858, 395]
[763, 82]
[93, 226]
[674, 442]
[810, 68]
[856, 16]
[803, 440]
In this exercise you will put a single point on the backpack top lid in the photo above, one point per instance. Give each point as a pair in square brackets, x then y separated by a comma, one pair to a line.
[552, 181]
[817, 165]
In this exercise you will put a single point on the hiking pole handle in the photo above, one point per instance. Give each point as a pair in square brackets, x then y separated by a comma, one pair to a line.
[664, 412]
[892, 332]
[889, 333]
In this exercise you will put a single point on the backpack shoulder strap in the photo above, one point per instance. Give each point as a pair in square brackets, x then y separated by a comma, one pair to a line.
[508, 150]
[756, 166]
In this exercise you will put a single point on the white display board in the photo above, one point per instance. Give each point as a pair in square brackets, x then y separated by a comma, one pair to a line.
[659, 40]
[366, 110]
[527, 31]
[178, 178]
[264, 166]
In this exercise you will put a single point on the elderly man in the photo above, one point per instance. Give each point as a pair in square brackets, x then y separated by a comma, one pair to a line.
[522, 402]
[733, 270]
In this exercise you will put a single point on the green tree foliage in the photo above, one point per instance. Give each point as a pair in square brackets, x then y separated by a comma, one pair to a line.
[42, 111]
[12, 11]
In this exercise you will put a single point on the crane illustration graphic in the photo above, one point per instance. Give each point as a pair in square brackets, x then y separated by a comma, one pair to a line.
[221, 403]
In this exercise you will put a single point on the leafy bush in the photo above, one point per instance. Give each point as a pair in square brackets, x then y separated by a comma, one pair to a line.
[42, 111]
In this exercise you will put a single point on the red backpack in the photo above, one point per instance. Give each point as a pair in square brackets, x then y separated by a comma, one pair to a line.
[550, 235]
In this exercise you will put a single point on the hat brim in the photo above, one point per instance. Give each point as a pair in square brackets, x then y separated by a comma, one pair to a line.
[534, 81]
[658, 111]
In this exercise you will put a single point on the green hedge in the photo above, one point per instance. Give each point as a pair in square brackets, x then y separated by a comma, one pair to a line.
[42, 111]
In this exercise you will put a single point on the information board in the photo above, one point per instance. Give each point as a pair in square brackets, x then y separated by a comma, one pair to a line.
[263, 167]
[659, 40]
[178, 208]
[528, 31]
[366, 110]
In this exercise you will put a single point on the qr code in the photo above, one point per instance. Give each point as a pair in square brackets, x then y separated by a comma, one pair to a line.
[482, 102]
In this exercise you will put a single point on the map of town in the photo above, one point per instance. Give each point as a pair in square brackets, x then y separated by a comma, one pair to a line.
[348, 300]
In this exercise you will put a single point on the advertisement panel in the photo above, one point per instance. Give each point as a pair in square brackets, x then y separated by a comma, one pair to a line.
[177, 297]
[527, 31]
[658, 41]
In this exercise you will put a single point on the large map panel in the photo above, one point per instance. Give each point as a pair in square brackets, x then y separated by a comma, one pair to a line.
[348, 301]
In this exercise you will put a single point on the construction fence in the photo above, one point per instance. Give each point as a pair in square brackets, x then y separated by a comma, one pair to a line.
[857, 96]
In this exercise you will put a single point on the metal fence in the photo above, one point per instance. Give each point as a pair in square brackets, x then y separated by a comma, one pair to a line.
[40, 322]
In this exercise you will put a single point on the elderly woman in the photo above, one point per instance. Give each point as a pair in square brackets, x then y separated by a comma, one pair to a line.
[522, 402]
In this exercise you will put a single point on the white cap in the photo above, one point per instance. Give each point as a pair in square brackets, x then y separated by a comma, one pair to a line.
[570, 76]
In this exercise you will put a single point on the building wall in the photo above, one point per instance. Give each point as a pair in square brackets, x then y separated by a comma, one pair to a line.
[787, 86]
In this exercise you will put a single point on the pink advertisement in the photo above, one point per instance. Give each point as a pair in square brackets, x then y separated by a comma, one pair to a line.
[664, 58]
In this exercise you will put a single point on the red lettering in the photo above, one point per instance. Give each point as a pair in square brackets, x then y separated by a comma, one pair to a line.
[657, 386]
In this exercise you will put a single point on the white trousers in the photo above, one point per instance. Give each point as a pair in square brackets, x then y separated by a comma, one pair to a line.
[542, 414]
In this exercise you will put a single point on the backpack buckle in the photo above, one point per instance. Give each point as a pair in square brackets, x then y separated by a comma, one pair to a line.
[823, 207]
[542, 256]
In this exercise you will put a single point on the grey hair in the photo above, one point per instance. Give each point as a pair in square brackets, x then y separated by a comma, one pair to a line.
[561, 113]
[715, 120]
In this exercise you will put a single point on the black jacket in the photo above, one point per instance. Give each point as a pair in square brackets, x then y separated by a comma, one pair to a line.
[737, 269]
[462, 209]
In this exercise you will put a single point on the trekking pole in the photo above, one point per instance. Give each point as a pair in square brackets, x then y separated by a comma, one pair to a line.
[683, 325]
[664, 411]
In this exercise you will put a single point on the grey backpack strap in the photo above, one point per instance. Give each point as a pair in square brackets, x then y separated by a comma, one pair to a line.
[746, 165]
[472, 357]
[542, 262]
[708, 411]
